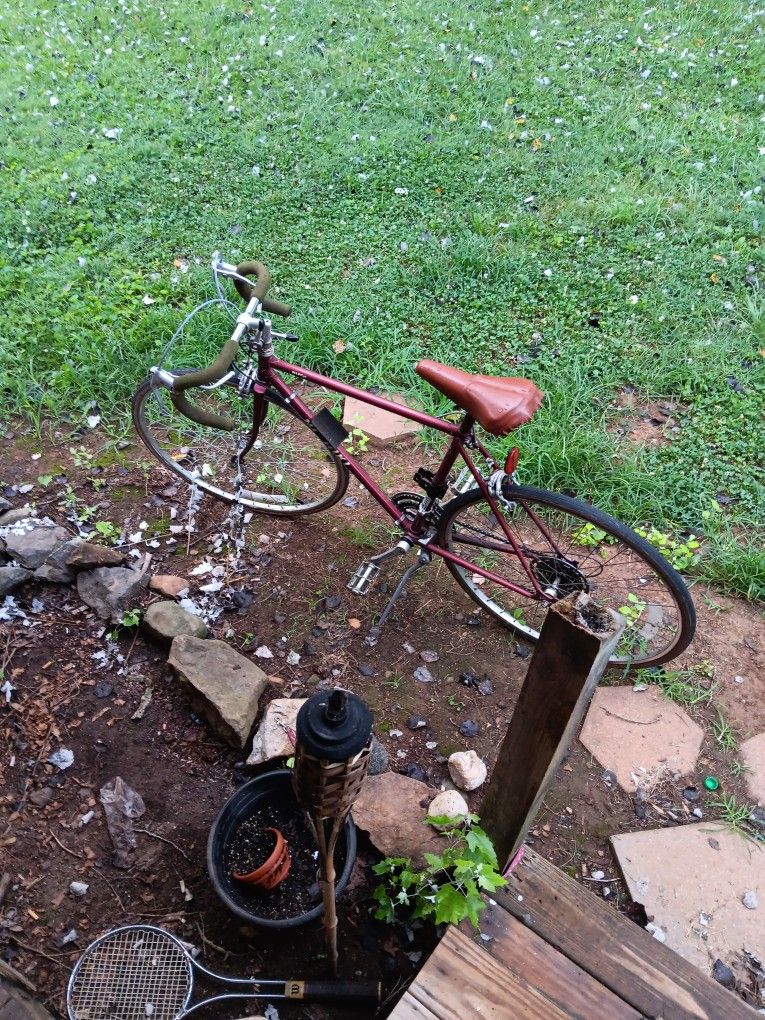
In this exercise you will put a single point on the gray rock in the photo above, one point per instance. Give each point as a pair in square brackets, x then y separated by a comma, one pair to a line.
[416, 722]
[723, 974]
[110, 590]
[4, 505]
[378, 759]
[55, 569]
[32, 548]
[89, 555]
[11, 578]
[224, 686]
[469, 728]
[21, 513]
[749, 899]
[164, 621]
[423, 675]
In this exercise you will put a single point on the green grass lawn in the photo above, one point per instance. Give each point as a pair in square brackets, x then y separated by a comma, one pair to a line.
[568, 192]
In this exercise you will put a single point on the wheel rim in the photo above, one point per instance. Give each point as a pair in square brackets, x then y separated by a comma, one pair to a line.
[586, 559]
[289, 470]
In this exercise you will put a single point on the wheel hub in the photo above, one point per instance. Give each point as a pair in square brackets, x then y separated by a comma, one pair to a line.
[558, 577]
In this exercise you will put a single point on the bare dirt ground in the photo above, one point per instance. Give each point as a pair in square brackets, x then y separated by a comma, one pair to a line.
[65, 696]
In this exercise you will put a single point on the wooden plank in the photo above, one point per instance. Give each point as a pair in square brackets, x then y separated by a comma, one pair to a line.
[461, 981]
[410, 1009]
[615, 951]
[560, 979]
[575, 644]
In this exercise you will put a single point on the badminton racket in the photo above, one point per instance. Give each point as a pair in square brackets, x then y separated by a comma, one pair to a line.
[139, 972]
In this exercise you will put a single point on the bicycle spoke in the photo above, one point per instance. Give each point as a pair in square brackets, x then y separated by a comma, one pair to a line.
[565, 553]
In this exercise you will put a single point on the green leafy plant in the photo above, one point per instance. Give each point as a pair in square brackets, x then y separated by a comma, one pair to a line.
[680, 553]
[106, 529]
[449, 888]
[589, 536]
[357, 441]
[633, 609]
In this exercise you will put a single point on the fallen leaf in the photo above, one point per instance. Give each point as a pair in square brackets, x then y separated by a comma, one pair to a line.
[354, 623]
[338, 346]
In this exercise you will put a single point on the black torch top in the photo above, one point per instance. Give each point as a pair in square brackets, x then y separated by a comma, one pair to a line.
[334, 725]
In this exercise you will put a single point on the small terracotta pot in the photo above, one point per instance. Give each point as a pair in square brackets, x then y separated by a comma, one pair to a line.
[274, 870]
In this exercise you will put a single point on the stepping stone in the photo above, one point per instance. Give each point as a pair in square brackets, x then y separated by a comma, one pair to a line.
[637, 736]
[164, 621]
[273, 737]
[381, 426]
[692, 879]
[224, 686]
[392, 809]
[111, 591]
[32, 548]
[12, 578]
[753, 754]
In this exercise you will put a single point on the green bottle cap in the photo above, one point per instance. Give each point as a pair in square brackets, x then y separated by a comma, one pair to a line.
[711, 783]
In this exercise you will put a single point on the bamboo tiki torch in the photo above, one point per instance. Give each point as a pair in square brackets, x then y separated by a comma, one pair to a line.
[334, 737]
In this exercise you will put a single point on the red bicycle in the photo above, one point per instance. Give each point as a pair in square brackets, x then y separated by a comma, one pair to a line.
[240, 432]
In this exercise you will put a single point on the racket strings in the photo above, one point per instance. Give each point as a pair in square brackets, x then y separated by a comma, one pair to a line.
[132, 975]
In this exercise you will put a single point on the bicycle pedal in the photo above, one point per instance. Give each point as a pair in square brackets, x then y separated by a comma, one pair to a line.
[364, 577]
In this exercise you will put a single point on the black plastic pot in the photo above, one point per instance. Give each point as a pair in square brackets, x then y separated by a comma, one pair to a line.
[276, 787]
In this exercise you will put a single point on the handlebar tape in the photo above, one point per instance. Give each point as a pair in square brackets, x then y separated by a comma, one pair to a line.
[183, 405]
[260, 288]
[211, 374]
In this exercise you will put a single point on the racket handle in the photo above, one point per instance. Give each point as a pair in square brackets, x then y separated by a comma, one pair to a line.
[334, 991]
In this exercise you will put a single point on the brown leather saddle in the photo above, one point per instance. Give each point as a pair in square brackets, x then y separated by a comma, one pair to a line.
[497, 403]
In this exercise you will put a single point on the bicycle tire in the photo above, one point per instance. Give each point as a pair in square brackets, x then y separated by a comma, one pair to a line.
[661, 617]
[291, 471]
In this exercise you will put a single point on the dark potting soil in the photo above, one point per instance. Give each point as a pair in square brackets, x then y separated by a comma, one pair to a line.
[249, 844]
[254, 845]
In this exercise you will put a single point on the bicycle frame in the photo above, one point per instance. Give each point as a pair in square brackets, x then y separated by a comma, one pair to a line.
[461, 436]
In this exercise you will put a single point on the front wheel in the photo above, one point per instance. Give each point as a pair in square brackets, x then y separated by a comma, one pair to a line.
[569, 547]
[289, 470]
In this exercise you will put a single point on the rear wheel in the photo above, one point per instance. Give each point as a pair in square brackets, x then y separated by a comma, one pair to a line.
[570, 547]
[289, 470]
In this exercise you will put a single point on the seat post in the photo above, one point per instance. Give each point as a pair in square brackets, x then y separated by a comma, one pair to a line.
[453, 451]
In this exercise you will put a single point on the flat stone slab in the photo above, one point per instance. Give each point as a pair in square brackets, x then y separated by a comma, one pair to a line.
[110, 590]
[381, 426]
[392, 809]
[32, 548]
[276, 734]
[637, 736]
[224, 685]
[753, 755]
[692, 879]
[12, 578]
[164, 621]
